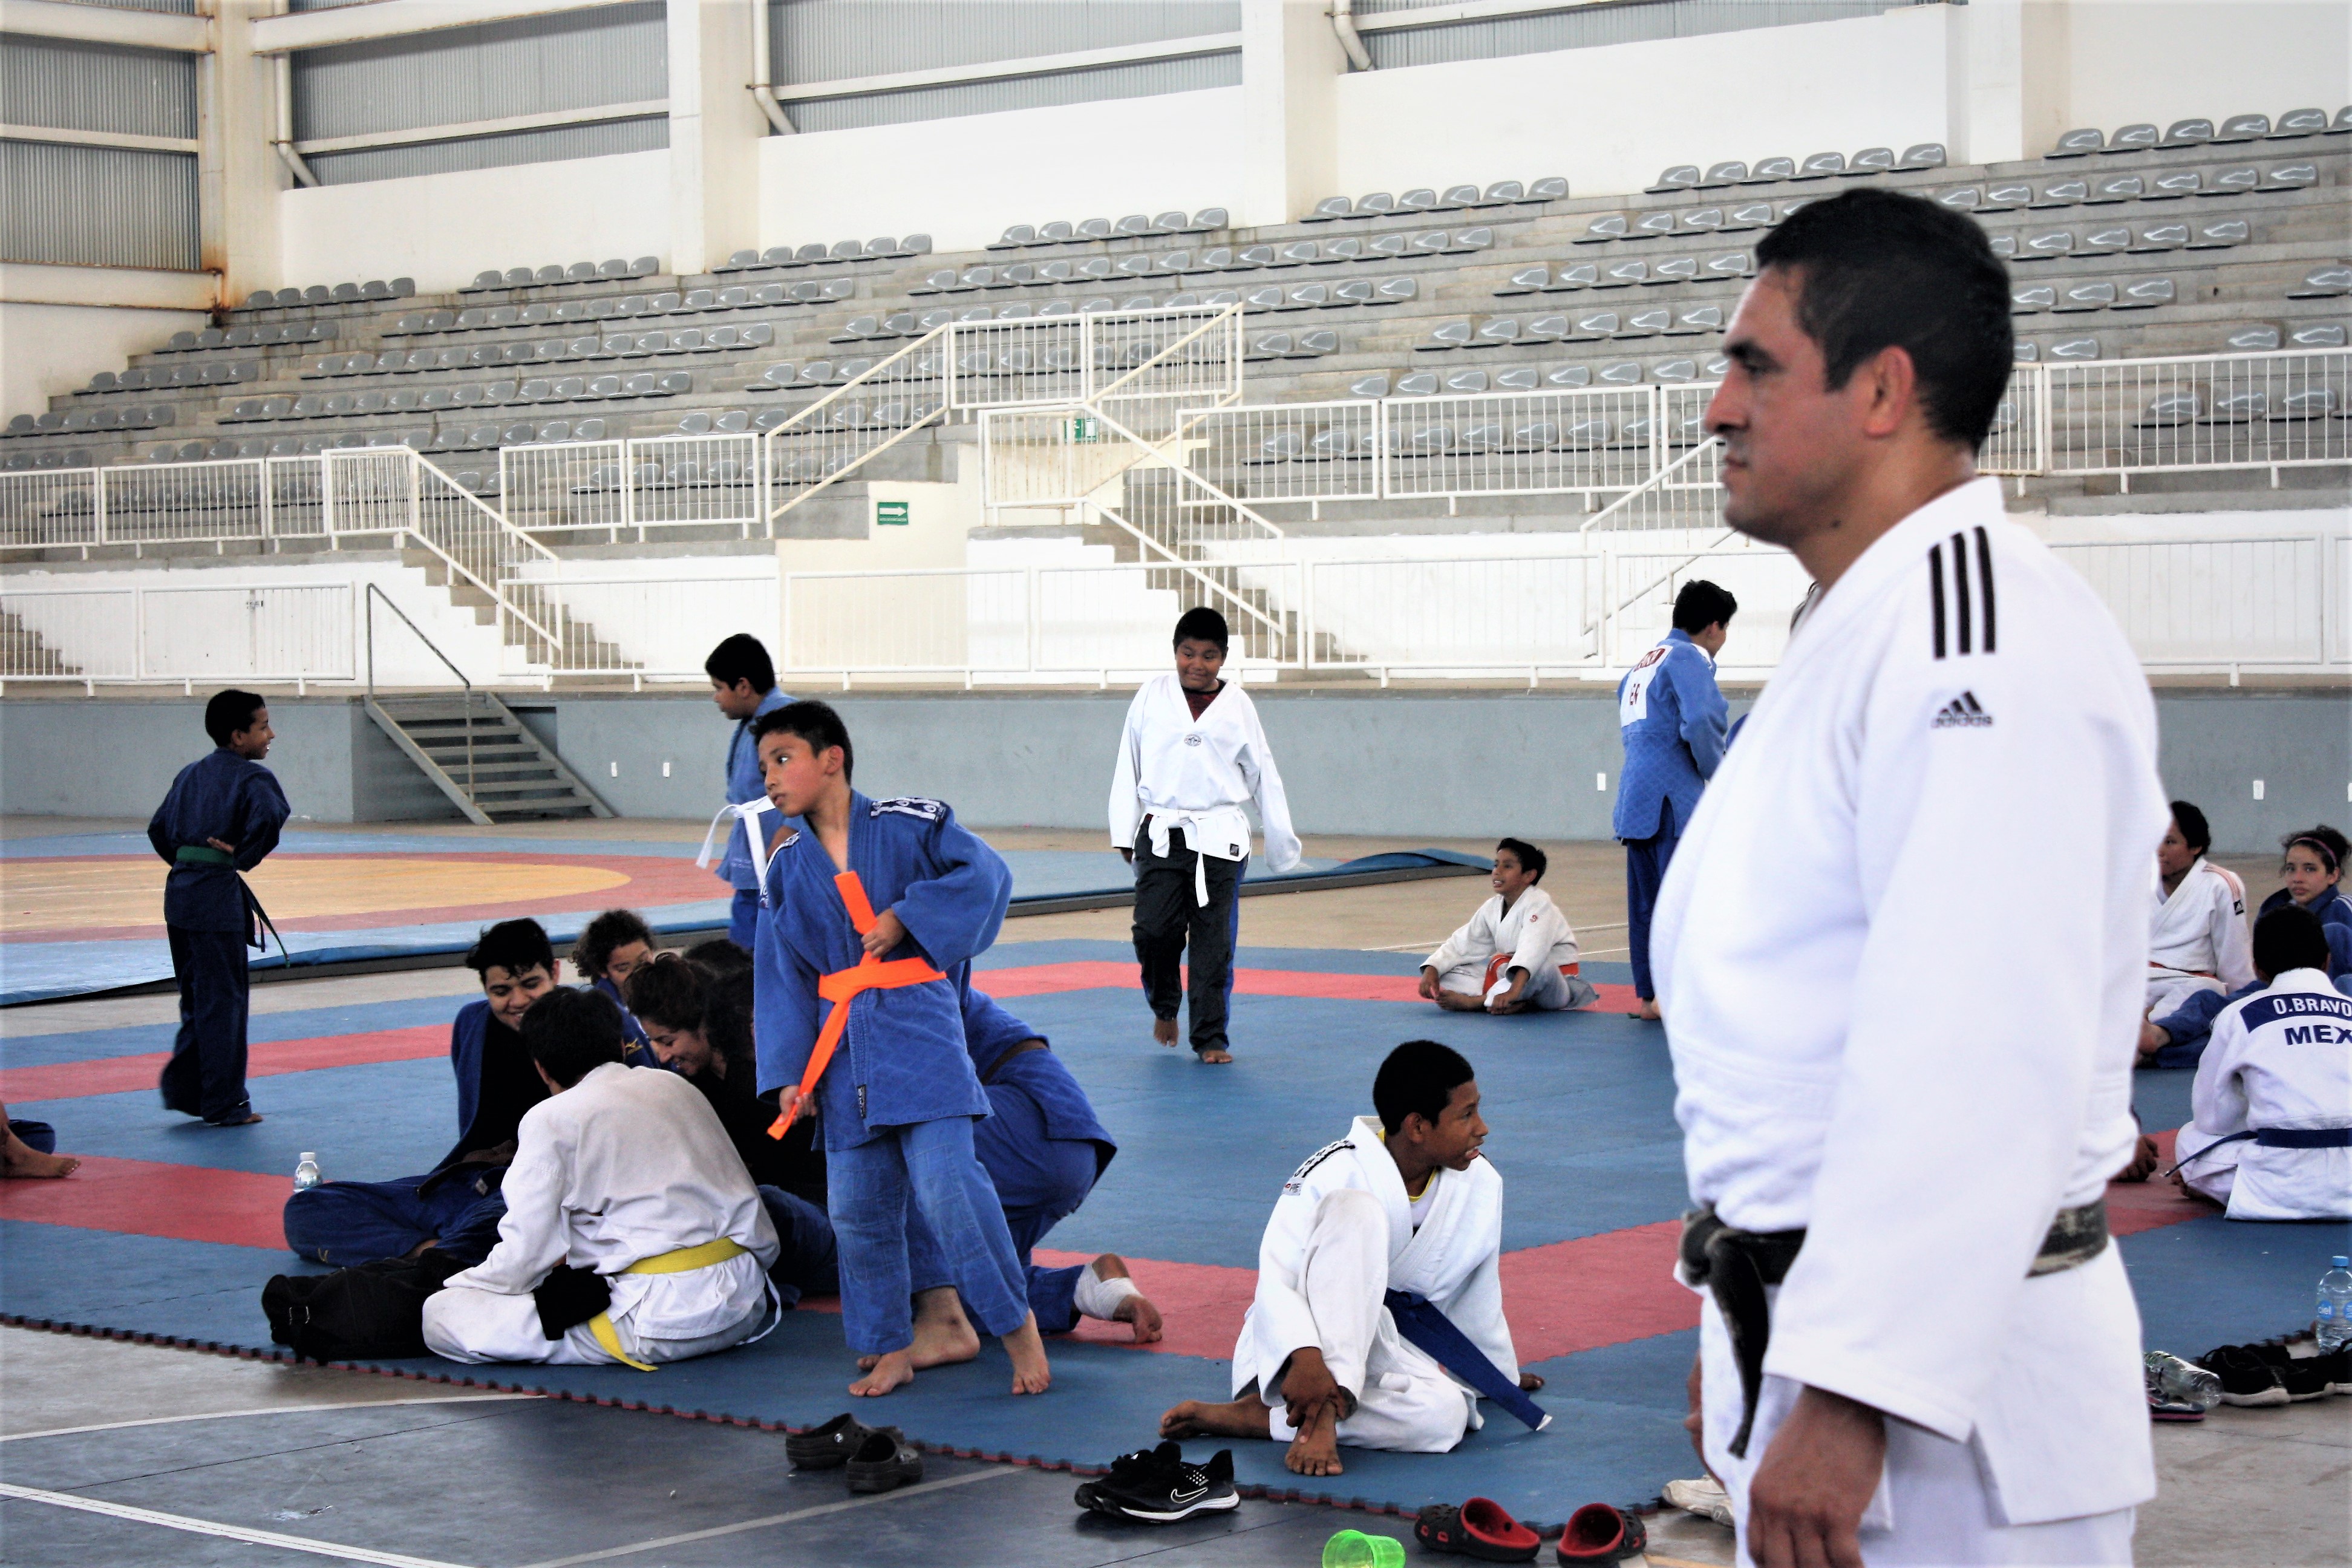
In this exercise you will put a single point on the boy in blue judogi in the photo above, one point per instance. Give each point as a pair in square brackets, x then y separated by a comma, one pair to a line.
[877, 908]
[1672, 719]
[222, 816]
[743, 685]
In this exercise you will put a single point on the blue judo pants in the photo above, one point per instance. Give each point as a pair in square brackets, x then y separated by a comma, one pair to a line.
[913, 1203]
[1040, 1180]
[744, 920]
[205, 1075]
[38, 1136]
[1646, 870]
[345, 1224]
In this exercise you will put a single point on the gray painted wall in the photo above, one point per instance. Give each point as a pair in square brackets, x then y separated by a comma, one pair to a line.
[1457, 766]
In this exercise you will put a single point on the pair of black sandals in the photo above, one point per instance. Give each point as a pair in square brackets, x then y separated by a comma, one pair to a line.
[879, 1458]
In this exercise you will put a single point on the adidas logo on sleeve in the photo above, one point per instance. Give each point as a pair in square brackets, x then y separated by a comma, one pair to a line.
[1962, 712]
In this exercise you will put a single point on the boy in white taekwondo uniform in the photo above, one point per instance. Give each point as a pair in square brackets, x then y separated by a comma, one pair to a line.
[2270, 1132]
[1948, 1371]
[1517, 952]
[2199, 940]
[1378, 1321]
[633, 1233]
[1192, 753]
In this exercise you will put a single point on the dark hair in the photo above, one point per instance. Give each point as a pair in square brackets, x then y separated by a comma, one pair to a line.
[513, 946]
[1201, 624]
[230, 712]
[2194, 830]
[813, 722]
[1878, 269]
[667, 992]
[741, 658]
[2290, 937]
[569, 1033]
[2330, 844]
[1419, 1076]
[1530, 858]
[1700, 605]
[612, 930]
[720, 956]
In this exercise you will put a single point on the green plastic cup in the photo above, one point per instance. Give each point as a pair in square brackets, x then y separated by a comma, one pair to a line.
[1354, 1549]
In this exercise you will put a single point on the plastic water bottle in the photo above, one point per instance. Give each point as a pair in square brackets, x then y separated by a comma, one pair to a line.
[306, 1172]
[2182, 1382]
[1354, 1549]
[2334, 1322]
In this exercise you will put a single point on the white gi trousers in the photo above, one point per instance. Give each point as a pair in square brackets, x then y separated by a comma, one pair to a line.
[658, 1318]
[1404, 1400]
[1548, 990]
[1933, 1509]
[2167, 989]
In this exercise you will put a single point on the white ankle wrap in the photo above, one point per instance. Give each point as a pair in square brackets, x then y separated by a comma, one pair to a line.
[1097, 1297]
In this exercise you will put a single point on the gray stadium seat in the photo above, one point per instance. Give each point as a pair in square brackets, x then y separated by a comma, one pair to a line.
[1606, 228]
[1766, 169]
[1328, 210]
[2004, 195]
[1821, 166]
[2230, 181]
[1677, 178]
[2103, 240]
[517, 277]
[2289, 177]
[1721, 175]
[2078, 144]
[1674, 270]
[1961, 198]
[1872, 160]
[1923, 155]
[1700, 218]
[1624, 274]
[1420, 199]
[1551, 188]
[2319, 335]
[916, 244]
[2254, 338]
[1457, 197]
[2077, 298]
[2060, 192]
[2074, 348]
[1014, 237]
[616, 269]
[2046, 243]
[1095, 228]
[2220, 235]
[1525, 280]
[2244, 128]
[2116, 188]
[2324, 283]
[2298, 123]
[740, 261]
[2145, 293]
[2133, 138]
[1502, 194]
[2157, 236]
[1136, 225]
[1570, 277]
[2187, 133]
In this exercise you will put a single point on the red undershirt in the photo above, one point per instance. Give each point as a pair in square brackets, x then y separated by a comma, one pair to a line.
[1198, 702]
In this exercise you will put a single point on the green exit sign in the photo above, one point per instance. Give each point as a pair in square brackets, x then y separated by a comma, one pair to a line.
[890, 513]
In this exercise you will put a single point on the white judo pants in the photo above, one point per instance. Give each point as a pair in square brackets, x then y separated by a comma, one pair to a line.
[1548, 991]
[1404, 1400]
[1933, 1509]
[657, 1318]
[2169, 988]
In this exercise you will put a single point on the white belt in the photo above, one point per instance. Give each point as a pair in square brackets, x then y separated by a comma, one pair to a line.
[749, 813]
[1209, 834]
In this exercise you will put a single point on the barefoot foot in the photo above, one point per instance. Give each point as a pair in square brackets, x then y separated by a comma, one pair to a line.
[1214, 1058]
[1316, 1450]
[1646, 1009]
[1244, 1417]
[1027, 1349]
[1136, 1309]
[893, 1371]
[32, 1163]
[1163, 1031]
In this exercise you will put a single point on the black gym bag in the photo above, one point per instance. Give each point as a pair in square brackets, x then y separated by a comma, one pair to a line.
[375, 1311]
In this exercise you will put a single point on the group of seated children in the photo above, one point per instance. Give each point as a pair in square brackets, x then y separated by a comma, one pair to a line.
[1517, 952]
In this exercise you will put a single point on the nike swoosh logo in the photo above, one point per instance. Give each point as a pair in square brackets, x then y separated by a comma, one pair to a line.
[1193, 1496]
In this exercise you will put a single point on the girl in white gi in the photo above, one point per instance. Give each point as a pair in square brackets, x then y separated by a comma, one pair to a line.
[2199, 942]
[633, 1233]
[2271, 1128]
[1896, 1368]
[1191, 754]
[1518, 951]
[1405, 1203]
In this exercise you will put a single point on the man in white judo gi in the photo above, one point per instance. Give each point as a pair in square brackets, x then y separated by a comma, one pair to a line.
[1517, 952]
[633, 1233]
[2270, 1132]
[1903, 950]
[2198, 940]
[1378, 1321]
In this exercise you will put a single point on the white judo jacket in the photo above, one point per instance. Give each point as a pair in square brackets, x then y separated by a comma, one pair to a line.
[1453, 1261]
[1532, 931]
[1197, 773]
[2201, 928]
[2280, 1058]
[629, 1164]
[1902, 953]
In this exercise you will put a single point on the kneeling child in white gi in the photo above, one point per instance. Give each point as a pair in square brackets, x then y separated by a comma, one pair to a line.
[1517, 953]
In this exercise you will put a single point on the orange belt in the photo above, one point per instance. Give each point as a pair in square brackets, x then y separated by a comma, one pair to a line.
[841, 987]
[1501, 961]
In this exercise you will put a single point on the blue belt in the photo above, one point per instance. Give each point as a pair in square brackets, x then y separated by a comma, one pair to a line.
[1422, 1325]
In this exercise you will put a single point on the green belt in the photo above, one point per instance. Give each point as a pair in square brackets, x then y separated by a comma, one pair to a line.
[203, 855]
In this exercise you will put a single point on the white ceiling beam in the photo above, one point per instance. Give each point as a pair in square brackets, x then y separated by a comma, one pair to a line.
[393, 19]
[596, 114]
[1000, 70]
[106, 25]
[1465, 11]
[137, 288]
[59, 134]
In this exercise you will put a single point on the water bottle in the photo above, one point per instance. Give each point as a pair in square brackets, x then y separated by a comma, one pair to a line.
[306, 1172]
[2334, 1322]
[1354, 1549]
[2181, 1381]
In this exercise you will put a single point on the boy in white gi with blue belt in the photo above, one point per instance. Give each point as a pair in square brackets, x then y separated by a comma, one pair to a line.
[1950, 776]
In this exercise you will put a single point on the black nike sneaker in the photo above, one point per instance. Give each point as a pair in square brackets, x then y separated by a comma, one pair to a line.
[1124, 1471]
[2246, 1378]
[1166, 1489]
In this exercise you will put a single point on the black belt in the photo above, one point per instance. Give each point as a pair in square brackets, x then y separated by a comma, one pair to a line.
[2277, 1138]
[1737, 1265]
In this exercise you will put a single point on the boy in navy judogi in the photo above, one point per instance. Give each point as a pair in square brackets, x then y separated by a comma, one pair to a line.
[876, 909]
[1672, 719]
[743, 685]
[222, 816]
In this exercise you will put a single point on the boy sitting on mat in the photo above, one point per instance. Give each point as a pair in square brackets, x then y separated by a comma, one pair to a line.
[1378, 1321]
[874, 911]
[1517, 953]
[632, 1232]
[351, 1223]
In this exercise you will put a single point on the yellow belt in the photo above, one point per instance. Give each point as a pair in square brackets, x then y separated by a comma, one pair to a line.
[684, 1260]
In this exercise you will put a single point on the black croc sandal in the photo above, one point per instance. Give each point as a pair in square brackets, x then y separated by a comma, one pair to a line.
[884, 1462]
[829, 1447]
[1480, 1528]
[1438, 1527]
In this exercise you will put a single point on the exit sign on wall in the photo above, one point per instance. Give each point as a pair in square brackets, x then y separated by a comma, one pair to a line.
[890, 513]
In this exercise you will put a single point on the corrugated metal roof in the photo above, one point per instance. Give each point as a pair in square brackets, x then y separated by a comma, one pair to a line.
[825, 40]
[97, 206]
[555, 144]
[94, 87]
[1144, 79]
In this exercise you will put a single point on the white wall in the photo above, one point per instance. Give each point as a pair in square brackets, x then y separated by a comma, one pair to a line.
[46, 350]
[965, 180]
[1611, 118]
[2164, 60]
[442, 229]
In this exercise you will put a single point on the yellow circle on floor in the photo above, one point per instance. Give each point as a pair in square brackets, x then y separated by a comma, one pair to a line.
[43, 895]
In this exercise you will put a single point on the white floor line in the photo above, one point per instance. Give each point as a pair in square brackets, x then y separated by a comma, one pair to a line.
[262, 1410]
[224, 1532]
[990, 1474]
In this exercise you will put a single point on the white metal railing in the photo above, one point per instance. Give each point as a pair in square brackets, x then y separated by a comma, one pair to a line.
[1686, 493]
[698, 481]
[2278, 410]
[204, 503]
[209, 632]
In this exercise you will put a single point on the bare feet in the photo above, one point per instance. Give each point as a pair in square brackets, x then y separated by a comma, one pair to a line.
[1458, 1002]
[26, 1161]
[1531, 1381]
[1136, 1309]
[1027, 1349]
[893, 1371]
[1646, 1009]
[1244, 1417]
[1163, 1031]
[1316, 1450]
[1215, 1058]
[943, 1335]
